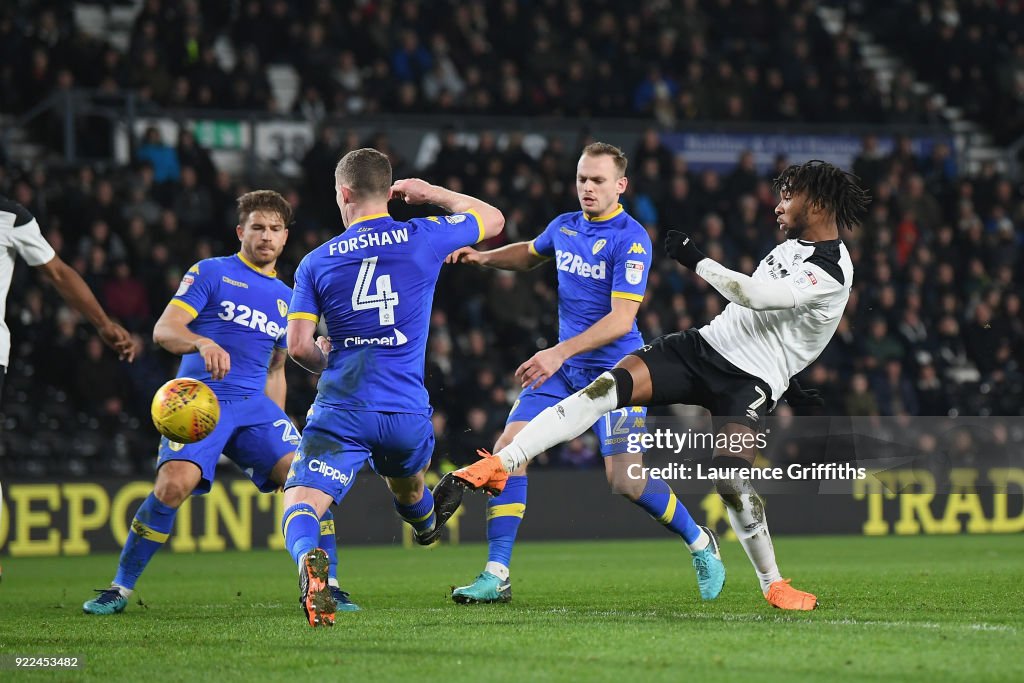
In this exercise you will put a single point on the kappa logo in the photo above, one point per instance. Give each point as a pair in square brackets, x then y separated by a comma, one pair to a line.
[194, 269]
[434, 218]
[598, 246]
[637, 248]
[455, 219]
[282, 307]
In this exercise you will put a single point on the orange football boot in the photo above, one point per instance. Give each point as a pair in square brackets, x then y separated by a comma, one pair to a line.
[780, 594]
[487, 473]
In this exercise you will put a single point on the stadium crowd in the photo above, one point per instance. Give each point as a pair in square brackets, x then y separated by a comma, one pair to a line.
[933, 325]
[722, 60]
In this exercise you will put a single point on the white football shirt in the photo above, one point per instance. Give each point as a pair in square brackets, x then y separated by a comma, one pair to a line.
[19, 235]
[775, 345]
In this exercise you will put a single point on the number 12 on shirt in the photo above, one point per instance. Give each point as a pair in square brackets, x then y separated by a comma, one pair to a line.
[384, 299]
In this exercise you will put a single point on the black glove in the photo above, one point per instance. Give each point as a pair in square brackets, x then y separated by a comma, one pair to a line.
[797, 397]
[679, 246]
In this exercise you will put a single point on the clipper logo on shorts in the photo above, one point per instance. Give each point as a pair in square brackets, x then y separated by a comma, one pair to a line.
[330, 472]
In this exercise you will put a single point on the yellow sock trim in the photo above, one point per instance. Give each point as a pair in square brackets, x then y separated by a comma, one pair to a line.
[670, 510]
[507, 510]
[296, 514]
[147, 532]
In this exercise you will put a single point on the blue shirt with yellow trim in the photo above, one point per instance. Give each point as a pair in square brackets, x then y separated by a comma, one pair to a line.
[374, 286]
[243, 310]
[598, 259]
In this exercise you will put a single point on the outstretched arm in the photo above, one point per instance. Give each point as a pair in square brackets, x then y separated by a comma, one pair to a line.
[416, 191]
[738, 288]
[70, 285]
[518, 257]
[172, 333]
[617, 323]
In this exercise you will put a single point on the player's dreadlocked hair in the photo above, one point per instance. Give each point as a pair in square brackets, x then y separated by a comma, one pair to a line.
[827, 187]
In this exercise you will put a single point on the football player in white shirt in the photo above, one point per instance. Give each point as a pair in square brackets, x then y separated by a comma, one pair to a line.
[737, 366]
[20, 236]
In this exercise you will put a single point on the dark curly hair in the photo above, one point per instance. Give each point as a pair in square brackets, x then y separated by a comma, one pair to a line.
[827, 187]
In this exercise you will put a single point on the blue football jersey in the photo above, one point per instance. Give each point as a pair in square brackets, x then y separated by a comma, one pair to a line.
[243, 310]
[598, 259]
[374, 286]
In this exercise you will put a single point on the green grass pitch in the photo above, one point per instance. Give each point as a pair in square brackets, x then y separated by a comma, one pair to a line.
[891, 609]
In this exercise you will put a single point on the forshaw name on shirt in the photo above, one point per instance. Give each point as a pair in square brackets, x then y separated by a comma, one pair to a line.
[370, 239]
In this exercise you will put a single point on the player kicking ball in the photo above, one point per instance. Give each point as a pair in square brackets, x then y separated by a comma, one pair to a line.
[603, 257]
[373, 285]
[227, 321]
[777, 322]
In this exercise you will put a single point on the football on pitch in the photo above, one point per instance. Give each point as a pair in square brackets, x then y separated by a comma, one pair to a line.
[185, 410]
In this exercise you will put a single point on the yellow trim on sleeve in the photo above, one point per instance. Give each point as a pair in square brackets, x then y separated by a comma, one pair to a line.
[368, 218]
[627, 295]
[299, 315]
[533, 250]
[479, 224]
[185, 307]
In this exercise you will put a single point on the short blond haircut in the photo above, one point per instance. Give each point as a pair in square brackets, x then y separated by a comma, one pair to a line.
[597, 149]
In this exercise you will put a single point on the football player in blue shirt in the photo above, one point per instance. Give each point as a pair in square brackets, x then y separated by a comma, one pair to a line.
[603, 257]
[227, 320]
[373, 285]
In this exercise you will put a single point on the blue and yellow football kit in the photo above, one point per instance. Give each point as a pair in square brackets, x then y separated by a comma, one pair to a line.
[598, 259]
[245, 312]
[373, 285]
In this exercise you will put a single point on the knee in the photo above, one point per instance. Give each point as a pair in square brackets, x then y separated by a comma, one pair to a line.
[172, 491]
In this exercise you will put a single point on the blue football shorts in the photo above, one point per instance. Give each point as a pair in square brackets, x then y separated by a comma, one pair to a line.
[253, 432]
[336, 443]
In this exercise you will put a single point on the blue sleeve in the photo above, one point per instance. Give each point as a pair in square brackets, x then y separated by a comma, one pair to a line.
[448, 233]
[305, 305]
[631, 264]
[543, 244]
[196, 288]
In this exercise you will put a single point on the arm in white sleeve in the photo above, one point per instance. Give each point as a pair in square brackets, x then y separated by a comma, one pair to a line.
[743, 290]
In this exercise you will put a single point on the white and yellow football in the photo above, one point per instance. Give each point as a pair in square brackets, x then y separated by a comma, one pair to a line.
[185, 410]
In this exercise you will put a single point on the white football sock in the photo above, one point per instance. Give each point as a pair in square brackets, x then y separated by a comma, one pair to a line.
[702, 541]
[125, 592]
[498, 569]
[561, 422]
[333, 583]
[751, 527]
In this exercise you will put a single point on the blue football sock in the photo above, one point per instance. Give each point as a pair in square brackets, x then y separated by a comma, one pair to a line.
[301, 528]
[504, 515]
[150, 530]
[660, 502]
[329, 542]
[419, 515]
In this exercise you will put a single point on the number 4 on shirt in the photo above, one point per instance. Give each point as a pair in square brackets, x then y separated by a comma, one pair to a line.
[384, 299]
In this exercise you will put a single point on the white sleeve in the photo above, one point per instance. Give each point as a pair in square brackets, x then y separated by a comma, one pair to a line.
[811, 284]
[743, 290]
[31, 244]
